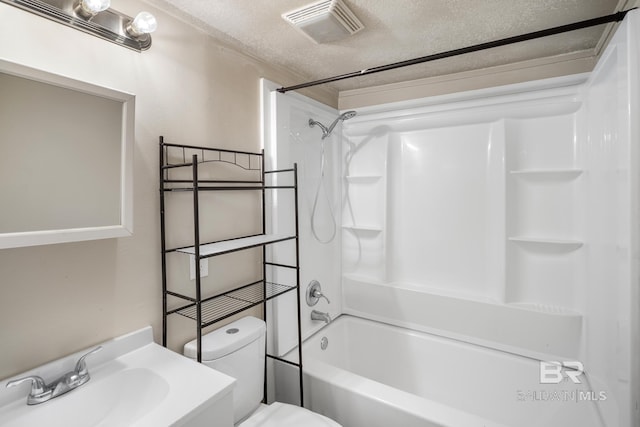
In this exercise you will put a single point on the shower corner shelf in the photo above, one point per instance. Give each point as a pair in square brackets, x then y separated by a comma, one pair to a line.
[206, 311]
[568, 244]
[363, 179]
[558, 174]
[546, 309]
[363, 228]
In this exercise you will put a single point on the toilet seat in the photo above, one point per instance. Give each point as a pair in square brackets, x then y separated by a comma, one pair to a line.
[284, 415]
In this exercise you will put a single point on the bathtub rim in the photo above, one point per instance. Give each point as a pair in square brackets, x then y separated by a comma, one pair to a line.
[397, 398]
[457, 339]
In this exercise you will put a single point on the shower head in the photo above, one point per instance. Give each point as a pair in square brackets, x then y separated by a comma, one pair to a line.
[348, 115]
[327, 131]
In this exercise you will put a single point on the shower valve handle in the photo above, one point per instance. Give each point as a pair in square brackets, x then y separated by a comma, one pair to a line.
[318, 294]
[314, 293]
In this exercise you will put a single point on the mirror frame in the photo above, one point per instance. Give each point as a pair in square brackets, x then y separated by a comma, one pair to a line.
[125, 227]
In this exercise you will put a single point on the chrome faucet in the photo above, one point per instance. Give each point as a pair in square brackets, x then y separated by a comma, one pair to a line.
[318, 315]
[41, 392]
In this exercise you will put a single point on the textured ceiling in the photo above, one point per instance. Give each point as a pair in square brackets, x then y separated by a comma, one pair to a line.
[397, 30]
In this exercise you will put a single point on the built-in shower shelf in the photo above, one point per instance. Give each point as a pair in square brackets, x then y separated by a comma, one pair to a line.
[363, 179]
[227, 246]
[363, 228]
[560, 174]
[567, 244]
[546, 308]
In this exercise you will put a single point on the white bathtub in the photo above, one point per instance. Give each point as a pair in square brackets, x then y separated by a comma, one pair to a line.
[375, 375]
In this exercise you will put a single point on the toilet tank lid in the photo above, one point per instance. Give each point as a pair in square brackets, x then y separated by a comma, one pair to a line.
[227, 339]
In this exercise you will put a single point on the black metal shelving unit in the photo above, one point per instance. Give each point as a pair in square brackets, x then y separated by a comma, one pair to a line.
[176, 160]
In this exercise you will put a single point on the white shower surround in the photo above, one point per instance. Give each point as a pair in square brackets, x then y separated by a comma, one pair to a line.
[509, 219]
[289, 139]
[504, 217]
[480, 217]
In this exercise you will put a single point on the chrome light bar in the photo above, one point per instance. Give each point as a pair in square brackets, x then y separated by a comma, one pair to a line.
[108, 24]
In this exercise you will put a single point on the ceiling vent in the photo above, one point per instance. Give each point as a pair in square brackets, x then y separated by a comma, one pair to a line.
[325, 21]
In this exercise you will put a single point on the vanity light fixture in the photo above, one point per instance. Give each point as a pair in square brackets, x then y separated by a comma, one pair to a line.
[143, 23]
[95, 17]
[89, 8]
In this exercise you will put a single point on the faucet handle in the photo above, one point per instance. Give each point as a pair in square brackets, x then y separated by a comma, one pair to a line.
[314, 293]
[81, 366]
[37, 384]
[317, 293]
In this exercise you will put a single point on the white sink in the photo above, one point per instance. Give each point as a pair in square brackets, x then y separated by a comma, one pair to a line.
[134, 382]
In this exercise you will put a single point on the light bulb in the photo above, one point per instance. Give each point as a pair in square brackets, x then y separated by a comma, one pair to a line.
[143, 23]
[92, 7]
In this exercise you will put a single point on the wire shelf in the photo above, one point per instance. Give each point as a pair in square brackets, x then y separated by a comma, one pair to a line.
[233, 302]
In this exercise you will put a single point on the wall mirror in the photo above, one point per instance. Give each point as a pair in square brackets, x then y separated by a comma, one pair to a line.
[66, 159]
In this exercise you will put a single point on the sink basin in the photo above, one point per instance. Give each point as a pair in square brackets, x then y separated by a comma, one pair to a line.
[146, 385]
[120, 399]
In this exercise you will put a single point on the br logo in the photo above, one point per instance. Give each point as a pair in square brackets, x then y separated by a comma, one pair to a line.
[553, 372]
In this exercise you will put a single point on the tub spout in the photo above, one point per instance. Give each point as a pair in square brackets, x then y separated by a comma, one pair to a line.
[318, 315]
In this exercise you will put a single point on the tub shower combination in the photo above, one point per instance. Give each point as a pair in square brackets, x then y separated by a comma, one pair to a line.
[483, 272]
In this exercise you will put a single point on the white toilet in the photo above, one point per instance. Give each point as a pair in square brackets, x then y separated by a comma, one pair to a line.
[238, 351]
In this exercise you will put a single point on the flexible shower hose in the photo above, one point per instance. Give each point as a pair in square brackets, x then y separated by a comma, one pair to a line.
[314, 209]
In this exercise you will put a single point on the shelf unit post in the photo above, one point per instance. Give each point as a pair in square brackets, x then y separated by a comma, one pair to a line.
[297, 229]
[163, 246]
[264, 268]
[196, 245]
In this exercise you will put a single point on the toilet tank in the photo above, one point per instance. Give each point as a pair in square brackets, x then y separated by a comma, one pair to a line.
[238, 350]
